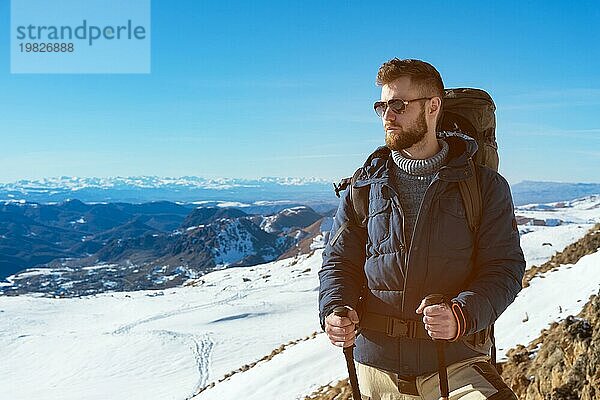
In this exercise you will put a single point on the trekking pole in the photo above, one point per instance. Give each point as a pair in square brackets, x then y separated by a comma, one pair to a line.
[431, 300]
[342, 311]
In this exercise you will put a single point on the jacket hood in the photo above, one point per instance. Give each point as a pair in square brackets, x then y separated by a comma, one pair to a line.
[462, 148]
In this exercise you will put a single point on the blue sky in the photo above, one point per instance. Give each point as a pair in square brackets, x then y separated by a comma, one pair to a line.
[250, 89]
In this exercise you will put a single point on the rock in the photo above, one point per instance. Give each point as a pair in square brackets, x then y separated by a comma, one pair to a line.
[567, 363]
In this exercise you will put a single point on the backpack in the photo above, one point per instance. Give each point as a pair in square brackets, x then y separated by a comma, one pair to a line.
[472, 111]
[469, 111]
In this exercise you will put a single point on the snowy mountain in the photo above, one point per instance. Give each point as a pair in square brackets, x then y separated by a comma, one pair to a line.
[140, 189]
[73, 248]
[152, 182]
[246, 333]
[528, 192]
[316, 193]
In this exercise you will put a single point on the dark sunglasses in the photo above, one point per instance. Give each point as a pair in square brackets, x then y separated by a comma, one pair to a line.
[398, 106]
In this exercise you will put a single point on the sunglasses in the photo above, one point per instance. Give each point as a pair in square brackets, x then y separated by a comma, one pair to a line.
[398, 106]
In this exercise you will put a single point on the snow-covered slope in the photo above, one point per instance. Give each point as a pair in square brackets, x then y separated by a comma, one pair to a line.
[115, 345]
[569, 221]
[549, 298]
[174, 344]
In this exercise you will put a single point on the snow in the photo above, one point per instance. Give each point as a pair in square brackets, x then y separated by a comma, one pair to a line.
[551, 297]
[71, 362]
[99, 266]
[78, 183]
[307, 363]
[293, 210]
[316, 243]
[232, 244]
[130, 345]
[226, 204]
[218, 203]
[19, 202]
[35, 272]
[170, 344]
[580, 211]
[267, 223]
[191, 228]
[542, 242]
[271, 202]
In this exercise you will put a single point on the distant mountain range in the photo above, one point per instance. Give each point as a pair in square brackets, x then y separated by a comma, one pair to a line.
[529, 192]
[121, 246]
[185, 189]
[264, 192]
[106, 243]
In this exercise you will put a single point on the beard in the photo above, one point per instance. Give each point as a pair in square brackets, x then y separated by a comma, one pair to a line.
[404, 138]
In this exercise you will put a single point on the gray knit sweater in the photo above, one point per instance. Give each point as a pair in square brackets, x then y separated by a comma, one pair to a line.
[411, 178]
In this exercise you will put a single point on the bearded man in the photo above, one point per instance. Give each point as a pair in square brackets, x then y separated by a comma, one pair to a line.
[417, 241]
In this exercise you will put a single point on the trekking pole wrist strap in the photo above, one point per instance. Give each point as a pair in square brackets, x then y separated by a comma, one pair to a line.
[461, 320]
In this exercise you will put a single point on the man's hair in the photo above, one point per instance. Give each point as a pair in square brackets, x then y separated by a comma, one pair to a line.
[423, 75]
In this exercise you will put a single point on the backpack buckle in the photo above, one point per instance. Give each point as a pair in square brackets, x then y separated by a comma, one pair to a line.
[340, 187]
[397, 327]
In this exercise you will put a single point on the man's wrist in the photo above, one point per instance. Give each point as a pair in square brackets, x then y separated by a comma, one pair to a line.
[461, 320]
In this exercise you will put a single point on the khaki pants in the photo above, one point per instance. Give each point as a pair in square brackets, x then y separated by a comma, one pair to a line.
[471, 379]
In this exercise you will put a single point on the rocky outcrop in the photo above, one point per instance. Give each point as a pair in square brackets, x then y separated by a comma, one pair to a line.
[304, 245]
[563, 363]
[335, 391]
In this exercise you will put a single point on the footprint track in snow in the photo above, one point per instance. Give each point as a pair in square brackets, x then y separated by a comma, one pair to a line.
[167, 314]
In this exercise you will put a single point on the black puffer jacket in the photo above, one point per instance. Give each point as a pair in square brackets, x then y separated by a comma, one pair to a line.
[482, 271]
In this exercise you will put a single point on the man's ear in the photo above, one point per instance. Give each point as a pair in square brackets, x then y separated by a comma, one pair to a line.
[436, 104]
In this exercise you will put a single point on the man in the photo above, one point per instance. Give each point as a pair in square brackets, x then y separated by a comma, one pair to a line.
[417, 242]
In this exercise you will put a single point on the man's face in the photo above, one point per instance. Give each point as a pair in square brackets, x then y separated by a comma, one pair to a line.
[410, 127]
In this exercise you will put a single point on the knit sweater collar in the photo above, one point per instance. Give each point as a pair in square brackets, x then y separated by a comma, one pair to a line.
[427, 166]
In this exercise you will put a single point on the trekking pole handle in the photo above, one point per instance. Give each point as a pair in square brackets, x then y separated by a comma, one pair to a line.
[434, 299]
[341, 311]
[431, 300]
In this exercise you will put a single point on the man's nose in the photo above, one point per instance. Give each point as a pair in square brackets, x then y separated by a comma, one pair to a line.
[389, 115]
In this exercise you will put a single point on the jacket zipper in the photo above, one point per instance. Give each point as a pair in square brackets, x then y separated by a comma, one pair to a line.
[434, 182]
[396, 202]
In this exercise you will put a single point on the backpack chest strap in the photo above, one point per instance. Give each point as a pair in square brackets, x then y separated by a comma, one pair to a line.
[393, 327]
[413, 329]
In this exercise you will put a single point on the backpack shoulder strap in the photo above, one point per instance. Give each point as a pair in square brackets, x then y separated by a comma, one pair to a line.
[358, 196]
[360, 200]
[470, 191]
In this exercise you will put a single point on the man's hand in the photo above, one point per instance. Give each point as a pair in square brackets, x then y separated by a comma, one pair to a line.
[341, 330]
[439, 321]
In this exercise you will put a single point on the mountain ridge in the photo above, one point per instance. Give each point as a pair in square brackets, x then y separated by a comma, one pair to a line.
[120, 246]
[310, 191]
